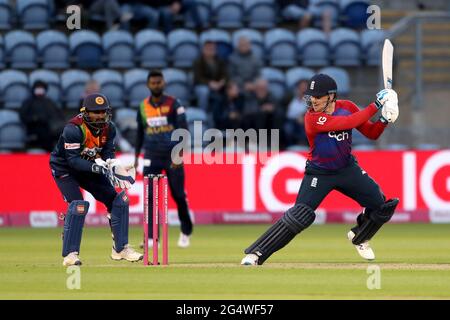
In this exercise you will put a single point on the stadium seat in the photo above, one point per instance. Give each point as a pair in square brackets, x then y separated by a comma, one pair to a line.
[20, 48]
[5, 15]
[86, 49]
[13, 88]
[184, 47]
[12, 131]
[111, 85]
[197, 114]
[255, 37]
[33, 14]
[228, 13]
[280, 48]
[313, 47]
[177, 84]
[2, 53]
[345, 47]
[118, 46]
[73, 83]
[222, 40]
[135, 83]
[204, 10]
[294, 75]
[354, 13]
[371, 44]
[53, 81]
[53, 49]
[341, 77]
[151, 48]
[125, 118]
[260, 13]
[317, 6]
[277, 82]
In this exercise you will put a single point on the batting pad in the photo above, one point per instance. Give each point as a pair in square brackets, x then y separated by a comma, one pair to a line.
[119, 221]
[73, 226]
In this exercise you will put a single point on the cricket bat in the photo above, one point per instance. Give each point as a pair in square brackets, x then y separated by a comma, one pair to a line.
[387, 57]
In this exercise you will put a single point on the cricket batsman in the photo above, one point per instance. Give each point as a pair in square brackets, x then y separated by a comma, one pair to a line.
[331, 166]
[85, 157]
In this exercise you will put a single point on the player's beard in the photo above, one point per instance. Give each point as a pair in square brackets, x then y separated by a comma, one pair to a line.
[156, 93]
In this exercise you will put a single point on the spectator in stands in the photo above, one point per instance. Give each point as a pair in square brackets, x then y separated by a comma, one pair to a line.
[169, 9]
[137, 10]
[90, 87]
[294, 129]
[228, 113]
[302, 12]
[262, 110]
[42, 118]
[245, 67]
[210, 76]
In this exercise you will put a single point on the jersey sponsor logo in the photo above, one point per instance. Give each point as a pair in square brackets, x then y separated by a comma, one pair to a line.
[321, 120]
[181, 110]
[71, 146]
[157, 122]
[339, 136]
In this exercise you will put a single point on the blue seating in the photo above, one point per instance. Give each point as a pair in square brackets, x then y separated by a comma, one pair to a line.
[313, 47]
[53, 49]
[12, 131]
[228, 13]
[111, 85]
[177, 84]
[33, 14]
[135, 83]
[372, 44]
[13, 88]
[86, 49]
[2, 53]
[354, 13]
[184, 47]
[341, 77]
[125, 118]
[345, 46]
[222, 40]
[118, 47]
[20, 47]
[255, 37]
[260, 13]
[5, 15]
[151, 48]
[277, 82]
[53, 81]
[73, 83]
[294, 75]
[204, 11]
[318, 6]
[281, 48]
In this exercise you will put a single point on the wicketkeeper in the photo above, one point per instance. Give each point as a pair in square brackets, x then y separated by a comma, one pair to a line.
[85, 157]
[331, 166]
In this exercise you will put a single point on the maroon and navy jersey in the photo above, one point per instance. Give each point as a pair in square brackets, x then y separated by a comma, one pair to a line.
[330, 135]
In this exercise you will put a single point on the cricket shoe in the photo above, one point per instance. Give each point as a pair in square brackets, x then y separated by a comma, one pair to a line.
[72, 260]
[184, 240]
[128, 253]
[363, 249]
[250, 260]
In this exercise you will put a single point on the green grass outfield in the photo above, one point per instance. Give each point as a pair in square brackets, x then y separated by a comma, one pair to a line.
[414, 261]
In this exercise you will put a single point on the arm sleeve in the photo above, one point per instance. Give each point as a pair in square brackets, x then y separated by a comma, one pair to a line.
[109, 150]
[371, 130]
[321, 122]
[140, 134]
[180, 110]
[73, 138]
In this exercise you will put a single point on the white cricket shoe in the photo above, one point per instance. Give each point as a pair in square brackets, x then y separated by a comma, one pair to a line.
[250, 260]
[72, 260]
[184, 240]
[363, 249]
[128, 253]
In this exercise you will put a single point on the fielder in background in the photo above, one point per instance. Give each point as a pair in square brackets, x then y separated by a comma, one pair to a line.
[84, 157]
[158, 116]
[331, 166]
